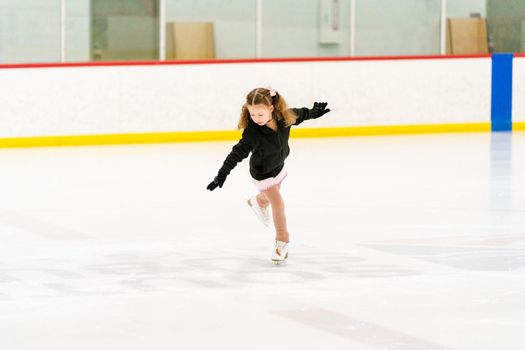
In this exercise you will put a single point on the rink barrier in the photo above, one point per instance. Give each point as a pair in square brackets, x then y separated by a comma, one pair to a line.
[501, 99]
[230, 135]
[389, 130]
[518, 91]
[235, 61]
[218, 135]
[518, 126]
[119, 139]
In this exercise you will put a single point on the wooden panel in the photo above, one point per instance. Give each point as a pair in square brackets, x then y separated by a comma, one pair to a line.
[190, 40]
[468, 36]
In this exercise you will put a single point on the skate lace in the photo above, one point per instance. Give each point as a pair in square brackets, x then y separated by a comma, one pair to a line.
[280, 247]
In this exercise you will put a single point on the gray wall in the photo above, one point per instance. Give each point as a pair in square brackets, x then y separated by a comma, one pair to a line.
[291, 28]
[77, 30]
[401, 27]
[30, 29]
[234, 23]
[506, 24]
[463, 8]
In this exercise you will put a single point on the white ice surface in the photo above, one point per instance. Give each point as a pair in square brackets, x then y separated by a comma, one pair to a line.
[398, 242]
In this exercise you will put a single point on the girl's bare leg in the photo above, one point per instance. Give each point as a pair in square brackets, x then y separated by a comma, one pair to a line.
[273, 195]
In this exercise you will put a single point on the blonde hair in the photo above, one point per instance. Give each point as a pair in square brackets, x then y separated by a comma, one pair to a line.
[263, 96]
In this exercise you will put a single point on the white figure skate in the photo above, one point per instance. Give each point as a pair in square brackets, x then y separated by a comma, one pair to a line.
[263, 214]
[280, 252]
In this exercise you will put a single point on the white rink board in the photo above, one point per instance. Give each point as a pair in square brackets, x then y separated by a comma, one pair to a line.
[518, 94]
[167, 98]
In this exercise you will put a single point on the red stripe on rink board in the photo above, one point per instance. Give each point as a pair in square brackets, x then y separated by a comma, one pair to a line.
[230, 61]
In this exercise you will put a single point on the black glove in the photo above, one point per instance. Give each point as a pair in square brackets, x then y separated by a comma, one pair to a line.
[217, 182]
[319, 109]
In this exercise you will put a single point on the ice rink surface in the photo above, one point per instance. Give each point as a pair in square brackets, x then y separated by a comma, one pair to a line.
[397, 242]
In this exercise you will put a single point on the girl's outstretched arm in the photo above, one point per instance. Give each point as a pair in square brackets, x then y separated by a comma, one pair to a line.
[240, 151]
[318, 110]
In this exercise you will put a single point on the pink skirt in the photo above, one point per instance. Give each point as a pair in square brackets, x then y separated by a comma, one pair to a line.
[263, 185]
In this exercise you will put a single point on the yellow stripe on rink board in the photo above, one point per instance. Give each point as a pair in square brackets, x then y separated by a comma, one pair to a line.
[390, 130]
[518, 126]
[119, 139]
[202, 136]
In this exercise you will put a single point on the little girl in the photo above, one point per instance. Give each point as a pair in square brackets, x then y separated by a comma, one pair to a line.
[266, 120]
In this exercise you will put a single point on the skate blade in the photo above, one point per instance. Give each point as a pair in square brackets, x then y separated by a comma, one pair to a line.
[278, 262]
